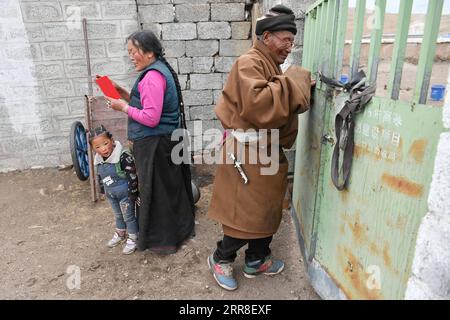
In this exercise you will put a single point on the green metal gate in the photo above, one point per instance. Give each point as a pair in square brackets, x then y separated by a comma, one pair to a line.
[359, 243]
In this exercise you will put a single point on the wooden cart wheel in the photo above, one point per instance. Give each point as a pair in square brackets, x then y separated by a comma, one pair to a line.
[79, 150]
[195, 192]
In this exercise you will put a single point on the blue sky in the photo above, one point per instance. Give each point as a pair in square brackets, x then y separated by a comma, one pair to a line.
[419, 6]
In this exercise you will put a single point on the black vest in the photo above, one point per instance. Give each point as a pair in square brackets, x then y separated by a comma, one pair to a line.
[170, 116]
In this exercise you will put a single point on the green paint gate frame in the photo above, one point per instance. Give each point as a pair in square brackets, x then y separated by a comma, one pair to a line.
[360, 243]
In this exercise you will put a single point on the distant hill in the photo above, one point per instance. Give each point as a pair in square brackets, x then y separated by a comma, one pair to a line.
[417, 24]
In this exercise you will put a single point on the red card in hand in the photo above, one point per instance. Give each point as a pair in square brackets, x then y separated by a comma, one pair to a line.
[107, 87]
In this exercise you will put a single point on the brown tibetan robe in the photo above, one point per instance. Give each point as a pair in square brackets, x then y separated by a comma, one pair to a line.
[256, 96]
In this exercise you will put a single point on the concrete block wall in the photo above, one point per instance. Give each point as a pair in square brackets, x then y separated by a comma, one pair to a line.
[202, 39]
[43, 72]
[43, 69]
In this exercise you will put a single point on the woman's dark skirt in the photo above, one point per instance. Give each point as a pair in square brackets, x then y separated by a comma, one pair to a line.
[166, 213]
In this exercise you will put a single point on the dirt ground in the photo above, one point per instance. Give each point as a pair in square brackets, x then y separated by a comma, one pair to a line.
[52, 232]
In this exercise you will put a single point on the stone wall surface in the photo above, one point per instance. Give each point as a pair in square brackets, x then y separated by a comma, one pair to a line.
[202, 39]
[43, 68]
[43, 72]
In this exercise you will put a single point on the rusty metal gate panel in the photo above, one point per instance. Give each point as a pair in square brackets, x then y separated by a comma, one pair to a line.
[359, 243]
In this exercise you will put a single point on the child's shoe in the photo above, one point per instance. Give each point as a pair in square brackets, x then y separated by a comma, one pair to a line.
[267, 266]
[223, 274]
[130, 245]
[116, 239]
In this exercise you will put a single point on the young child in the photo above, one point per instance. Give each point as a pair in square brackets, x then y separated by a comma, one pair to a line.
[118, 180]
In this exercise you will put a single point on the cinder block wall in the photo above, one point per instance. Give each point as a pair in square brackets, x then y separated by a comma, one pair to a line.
[43, 69]
[202, 39]
[43, 72]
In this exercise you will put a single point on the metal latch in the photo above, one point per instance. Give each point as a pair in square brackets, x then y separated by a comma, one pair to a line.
[327, 139]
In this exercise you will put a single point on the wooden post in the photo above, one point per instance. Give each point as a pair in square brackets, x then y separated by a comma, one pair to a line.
[92, 177]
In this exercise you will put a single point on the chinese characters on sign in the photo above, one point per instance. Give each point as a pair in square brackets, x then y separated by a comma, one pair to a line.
[384, 135]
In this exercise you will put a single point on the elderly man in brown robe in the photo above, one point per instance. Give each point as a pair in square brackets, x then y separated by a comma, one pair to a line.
[256, 97]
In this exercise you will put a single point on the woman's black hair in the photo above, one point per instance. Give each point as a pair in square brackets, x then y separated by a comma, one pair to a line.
[147, 41]
[99, 131]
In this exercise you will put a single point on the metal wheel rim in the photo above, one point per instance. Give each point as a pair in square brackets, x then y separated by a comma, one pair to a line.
[81, 149]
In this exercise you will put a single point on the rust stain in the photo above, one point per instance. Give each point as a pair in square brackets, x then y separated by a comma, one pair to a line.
[374, 249]
[417, 150]
[400, 145]
[359, 151]
[357, 276]
[402, 185]
[357, 228]
[342, 229]
[386, 257]
[344, 195]
[401, 222]
[338, 282]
